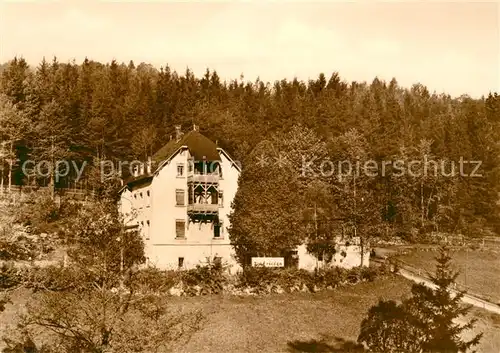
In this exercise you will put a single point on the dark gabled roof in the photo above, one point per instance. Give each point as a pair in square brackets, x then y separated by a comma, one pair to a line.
[199, 146]
[141, 180]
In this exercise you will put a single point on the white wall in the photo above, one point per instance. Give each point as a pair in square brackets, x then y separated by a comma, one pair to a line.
[352, 258]
[135, 206]
[228, 185]
[163, 249]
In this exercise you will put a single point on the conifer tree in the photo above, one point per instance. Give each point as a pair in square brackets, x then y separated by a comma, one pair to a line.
[424, 323]
[437, 310]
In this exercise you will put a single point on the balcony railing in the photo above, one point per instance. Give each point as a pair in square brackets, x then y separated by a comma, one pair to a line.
[203, 178]
[203, 208]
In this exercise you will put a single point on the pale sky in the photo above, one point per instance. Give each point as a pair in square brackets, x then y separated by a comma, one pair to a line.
[450, 46]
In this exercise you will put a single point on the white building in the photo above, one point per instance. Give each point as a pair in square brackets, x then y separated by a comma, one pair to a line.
[347, 255]
[181, 204]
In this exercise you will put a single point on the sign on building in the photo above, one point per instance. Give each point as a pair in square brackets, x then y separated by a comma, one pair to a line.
[268, 262]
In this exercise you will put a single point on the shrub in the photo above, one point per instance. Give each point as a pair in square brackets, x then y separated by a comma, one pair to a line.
[266, 280]
[207, 279]
[10, 276]
[152, 280]
[55, 278]
[291, 279]
[100, 320]
[38, 211]
[257, 278]
[370, 273]
[330, 277]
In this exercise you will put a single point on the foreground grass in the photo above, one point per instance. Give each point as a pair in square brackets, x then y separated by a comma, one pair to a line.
[323, 322]
[479, 269]
[300, 322]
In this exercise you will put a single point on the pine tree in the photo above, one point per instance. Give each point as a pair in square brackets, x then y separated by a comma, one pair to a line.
[13, 128]
[438, 309]
[424, 323]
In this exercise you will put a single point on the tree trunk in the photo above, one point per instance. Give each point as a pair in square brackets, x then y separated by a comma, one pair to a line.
[11, 162]
[52, 183]
[362, 248]
[422, 204]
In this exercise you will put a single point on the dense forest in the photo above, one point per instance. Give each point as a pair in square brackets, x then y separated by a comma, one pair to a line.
[93, 111]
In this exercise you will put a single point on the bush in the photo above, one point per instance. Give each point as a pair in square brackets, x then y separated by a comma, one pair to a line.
[54, 278]
[152, 280]
[330, 277]
[268, 280]
[257, 278]
[38, 211]
[10, 276]
[208, 279]
[291, 279]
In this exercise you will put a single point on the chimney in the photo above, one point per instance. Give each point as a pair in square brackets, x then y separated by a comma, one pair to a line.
[148, 166]
[178, 133]
[195, 127]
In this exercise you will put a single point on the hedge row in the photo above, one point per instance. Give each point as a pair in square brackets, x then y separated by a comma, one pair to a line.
[259, 280]
[54, 278]
[202, 280]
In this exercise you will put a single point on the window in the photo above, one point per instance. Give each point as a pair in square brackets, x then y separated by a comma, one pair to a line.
[180, 229]
[141, 195]
[190, 195]
[217, 230]
[179, 197]
[221, 199]
[147, 222]
[180, 170]
[214, 198]
[180, 262]
[135, 196]
[190, 166]
[148, 193]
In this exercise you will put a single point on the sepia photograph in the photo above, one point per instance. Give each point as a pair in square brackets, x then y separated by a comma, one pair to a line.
[249, 176]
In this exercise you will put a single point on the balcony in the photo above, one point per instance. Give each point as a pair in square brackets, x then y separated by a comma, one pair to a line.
[202, 208]
[203, 178]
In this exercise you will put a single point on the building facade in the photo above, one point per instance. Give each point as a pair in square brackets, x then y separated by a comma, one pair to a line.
[180, 203]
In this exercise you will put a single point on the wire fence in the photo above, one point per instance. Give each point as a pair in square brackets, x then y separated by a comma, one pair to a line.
[16, 193]
[426, 275]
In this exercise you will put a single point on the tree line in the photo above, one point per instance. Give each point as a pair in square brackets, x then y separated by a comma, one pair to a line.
[116, 111]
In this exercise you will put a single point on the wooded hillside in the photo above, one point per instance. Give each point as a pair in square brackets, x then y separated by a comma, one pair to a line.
[124, 112]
